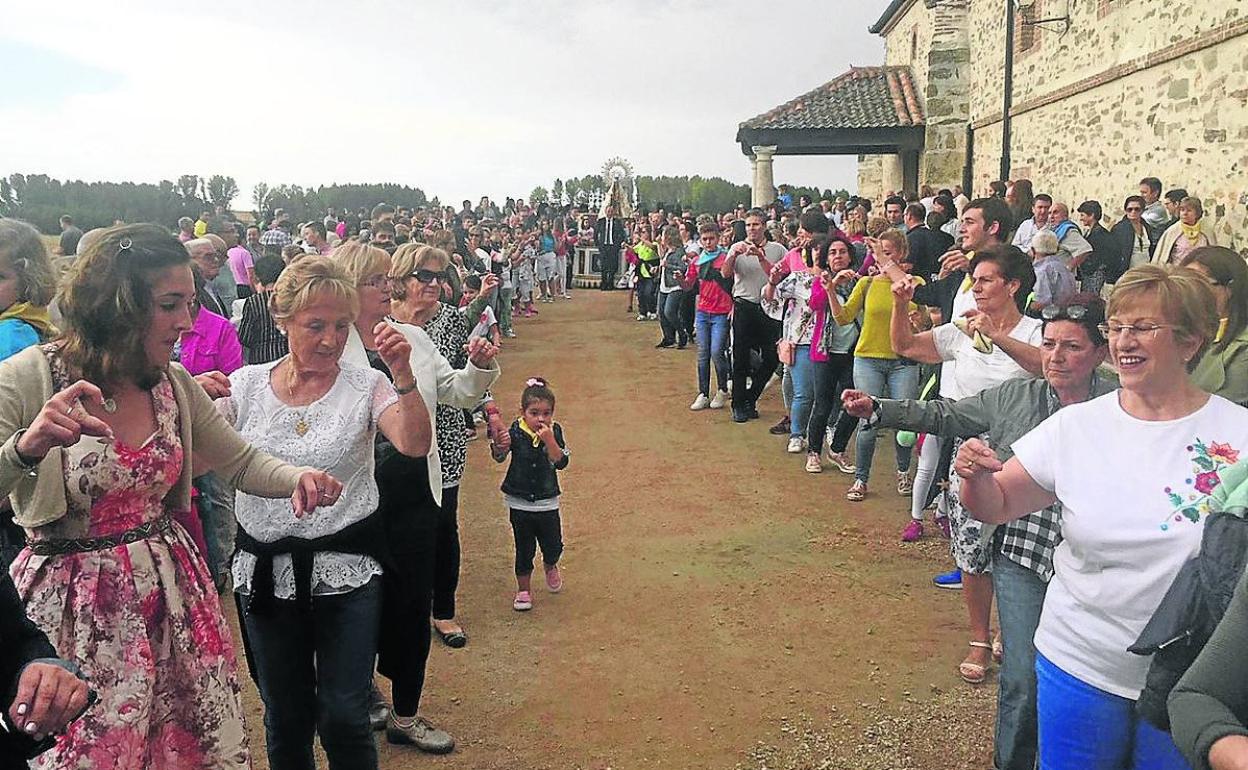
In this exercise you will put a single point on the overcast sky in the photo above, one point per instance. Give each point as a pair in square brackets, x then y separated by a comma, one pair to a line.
[462, 99]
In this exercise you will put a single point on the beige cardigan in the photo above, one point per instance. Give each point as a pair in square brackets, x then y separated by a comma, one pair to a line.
[38, 495]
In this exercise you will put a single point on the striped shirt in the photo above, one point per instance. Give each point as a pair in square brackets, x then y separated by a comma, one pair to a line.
[259, 333]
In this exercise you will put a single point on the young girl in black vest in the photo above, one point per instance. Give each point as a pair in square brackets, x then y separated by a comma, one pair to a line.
[531, 488]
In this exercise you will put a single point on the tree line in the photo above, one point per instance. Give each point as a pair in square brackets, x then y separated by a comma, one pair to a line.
[41, 200]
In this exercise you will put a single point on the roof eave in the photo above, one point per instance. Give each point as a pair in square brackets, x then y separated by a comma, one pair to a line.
[893, 12]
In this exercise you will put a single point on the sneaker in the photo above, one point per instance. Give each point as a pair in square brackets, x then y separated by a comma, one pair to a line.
[904, 485]
[523, 601]
[857, 491]
[797, 445]
[781, 428]
[951, 580]
[682, 345]
[509, 334]
[739, 415]
[721, 398]
[641, 316]
[751, 410]
[912, 532]
[421, 733]
[812, 463]
[567, 296]
[700, 403]
[554, 580]
[842, 463]
[378, 710]
[665, 344]
[652, 317]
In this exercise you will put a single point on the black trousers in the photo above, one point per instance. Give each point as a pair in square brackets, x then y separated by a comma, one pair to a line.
[752, 329]
[689, 307]
[532, 528]
[446, 559]
[609, 258]
[672, 317]
[832, 377]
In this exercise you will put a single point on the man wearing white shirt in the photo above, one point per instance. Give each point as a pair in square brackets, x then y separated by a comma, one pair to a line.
[1039, 221]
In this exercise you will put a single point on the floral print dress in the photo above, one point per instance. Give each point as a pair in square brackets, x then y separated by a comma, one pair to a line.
[141, 619]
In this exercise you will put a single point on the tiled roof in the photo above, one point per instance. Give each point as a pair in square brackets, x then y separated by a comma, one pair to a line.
[864, 97]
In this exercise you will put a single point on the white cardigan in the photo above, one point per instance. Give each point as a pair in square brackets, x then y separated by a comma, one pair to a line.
[437, 381]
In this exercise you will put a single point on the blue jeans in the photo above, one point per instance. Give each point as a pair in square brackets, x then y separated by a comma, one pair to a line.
[882, 377]
[315, 671]
[803, 374]
[1085, 728]
[712, 346]
[1020, 598]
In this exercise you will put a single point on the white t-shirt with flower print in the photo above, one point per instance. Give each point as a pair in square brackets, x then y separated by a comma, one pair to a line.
[1134, 496]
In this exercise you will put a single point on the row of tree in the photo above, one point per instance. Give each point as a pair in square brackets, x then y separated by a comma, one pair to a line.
[41, 200]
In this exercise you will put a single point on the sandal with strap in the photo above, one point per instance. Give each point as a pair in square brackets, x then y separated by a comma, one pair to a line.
[974, 673]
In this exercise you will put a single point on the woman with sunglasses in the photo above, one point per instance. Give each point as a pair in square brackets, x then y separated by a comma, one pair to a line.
[1223, 369]
[1133, 471]
[1132, 236]
[421, 499]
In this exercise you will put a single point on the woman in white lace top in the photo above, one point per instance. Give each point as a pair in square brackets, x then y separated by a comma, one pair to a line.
[308, 586]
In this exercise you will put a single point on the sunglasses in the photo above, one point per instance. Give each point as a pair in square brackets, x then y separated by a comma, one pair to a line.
[1064, 313]
[1133, 208]
[426, 276]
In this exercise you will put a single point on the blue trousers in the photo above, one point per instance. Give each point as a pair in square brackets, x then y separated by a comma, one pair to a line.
[712, 347]
[1085, 728]
[803, 376]
[1020, 598]
[882, 377]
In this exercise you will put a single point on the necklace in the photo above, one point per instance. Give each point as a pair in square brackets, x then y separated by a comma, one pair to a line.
[301, 423]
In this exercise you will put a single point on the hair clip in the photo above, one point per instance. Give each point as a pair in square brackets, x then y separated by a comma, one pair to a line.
[124, 245]
[535, 382]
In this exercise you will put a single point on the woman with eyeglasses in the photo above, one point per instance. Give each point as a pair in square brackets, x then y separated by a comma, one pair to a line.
[1133, 237]
[1133, 471]
[1223, 369]
[420, 498]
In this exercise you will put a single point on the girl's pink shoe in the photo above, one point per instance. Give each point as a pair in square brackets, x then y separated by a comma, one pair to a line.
[912, 532]
[523, 601]
[554, 580]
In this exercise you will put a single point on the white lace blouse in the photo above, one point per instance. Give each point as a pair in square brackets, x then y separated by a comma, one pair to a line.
[335, 434]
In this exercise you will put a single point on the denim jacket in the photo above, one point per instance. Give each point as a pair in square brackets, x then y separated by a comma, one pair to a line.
[532, 475]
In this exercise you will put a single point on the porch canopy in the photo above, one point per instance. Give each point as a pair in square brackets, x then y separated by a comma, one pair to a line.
[866, 111]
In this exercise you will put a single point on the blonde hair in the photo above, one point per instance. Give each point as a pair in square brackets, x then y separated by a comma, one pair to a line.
[361, 260]
[876, 226]
[411, 257]
[1184, 295]
[312, 277]
[22, 249]
[900, 245]
[854, 226]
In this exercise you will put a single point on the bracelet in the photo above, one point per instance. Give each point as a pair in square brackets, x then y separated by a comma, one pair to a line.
[406, 389]
[25, 462]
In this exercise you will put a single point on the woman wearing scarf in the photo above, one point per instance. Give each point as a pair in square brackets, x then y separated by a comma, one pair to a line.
[714, 304]
[1183, 236]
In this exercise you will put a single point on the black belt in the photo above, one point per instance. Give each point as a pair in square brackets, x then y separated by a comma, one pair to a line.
[58, 546]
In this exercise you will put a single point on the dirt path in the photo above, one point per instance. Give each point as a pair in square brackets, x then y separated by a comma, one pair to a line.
[723, 609]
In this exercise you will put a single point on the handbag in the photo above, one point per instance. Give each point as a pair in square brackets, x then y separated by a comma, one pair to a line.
[786, 350]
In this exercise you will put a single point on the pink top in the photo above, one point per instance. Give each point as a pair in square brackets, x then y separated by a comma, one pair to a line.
[211, 345]
[240, 259]
[341, 229]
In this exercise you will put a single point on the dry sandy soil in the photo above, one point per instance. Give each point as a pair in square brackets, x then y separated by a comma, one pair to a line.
[723, 608]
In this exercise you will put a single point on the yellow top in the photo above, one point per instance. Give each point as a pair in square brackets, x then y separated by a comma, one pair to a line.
[873, 298]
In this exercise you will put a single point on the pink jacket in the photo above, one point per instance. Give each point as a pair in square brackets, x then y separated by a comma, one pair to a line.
[211, 345]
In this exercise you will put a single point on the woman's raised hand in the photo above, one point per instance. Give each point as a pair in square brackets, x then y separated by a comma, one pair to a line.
[843, 277]
[976, 457]
[903, 290]
[394, 350]
[858, 403]
[315, 489]
[481, 352]
[62, 421]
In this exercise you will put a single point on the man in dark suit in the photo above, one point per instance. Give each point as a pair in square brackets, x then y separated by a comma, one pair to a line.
[609, 235]
[926, 246]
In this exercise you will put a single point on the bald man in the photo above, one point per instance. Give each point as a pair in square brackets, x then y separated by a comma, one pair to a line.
[1072, 247]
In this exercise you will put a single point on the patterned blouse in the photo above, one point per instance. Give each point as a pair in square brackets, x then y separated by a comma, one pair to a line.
[449, 331]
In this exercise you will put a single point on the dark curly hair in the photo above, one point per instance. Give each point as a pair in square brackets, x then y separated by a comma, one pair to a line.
[107, 303]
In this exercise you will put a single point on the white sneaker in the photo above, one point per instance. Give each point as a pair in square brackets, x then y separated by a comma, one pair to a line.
[700, 403]
[797, 445]
[721, 398]
[641, 316]
[813, 465]
[653, 317]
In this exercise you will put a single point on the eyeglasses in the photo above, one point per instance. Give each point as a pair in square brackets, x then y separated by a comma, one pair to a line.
[1131, 209]
[426, 276]
[1137, 331]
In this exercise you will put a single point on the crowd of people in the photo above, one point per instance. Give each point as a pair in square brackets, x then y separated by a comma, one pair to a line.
[281, 413]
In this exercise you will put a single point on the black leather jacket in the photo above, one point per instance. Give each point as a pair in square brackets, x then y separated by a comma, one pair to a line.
[532, 476]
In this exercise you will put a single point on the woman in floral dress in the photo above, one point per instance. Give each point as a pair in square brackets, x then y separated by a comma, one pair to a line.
[97, 463]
